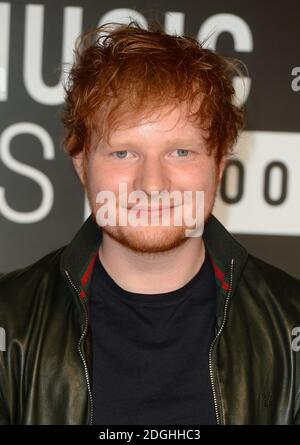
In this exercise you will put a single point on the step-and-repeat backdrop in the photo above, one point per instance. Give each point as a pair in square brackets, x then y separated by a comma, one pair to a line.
[42, 204]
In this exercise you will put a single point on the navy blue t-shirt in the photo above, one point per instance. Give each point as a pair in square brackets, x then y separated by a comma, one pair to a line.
[150, 352]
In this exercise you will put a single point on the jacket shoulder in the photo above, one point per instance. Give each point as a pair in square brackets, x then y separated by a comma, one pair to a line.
[274, 276]
[273, 286]
[36, 268]
[22, 284]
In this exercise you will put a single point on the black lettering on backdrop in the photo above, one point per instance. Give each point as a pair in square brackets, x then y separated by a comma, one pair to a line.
[284, 182]
[238, 166]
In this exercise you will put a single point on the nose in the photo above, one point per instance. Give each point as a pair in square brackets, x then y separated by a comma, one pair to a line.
[152, 176]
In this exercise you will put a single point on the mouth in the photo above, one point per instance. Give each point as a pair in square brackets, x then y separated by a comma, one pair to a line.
[159, 209]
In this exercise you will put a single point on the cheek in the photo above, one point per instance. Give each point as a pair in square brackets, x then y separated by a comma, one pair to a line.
[96, 178]
[203, 179]
[102, 178]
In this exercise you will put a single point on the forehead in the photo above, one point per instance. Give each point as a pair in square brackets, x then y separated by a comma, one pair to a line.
[166, 124]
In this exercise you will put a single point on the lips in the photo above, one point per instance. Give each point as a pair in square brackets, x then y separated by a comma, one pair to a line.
[151, 209]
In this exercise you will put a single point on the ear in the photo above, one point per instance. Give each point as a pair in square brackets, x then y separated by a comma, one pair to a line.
[78, 163]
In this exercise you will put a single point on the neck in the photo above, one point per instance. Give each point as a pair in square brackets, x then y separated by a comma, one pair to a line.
[152, 273]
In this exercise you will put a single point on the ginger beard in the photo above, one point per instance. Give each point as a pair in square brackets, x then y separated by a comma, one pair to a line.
[150, 239]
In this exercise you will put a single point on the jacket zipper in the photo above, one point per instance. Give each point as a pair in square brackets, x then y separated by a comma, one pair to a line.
[214, 342]
[86, 373]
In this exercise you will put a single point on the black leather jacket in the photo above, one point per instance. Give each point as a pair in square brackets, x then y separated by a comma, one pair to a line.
[45, 370]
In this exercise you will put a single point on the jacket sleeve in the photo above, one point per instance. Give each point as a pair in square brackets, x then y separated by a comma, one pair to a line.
[6, 368]
[297, 403]
[4, 418]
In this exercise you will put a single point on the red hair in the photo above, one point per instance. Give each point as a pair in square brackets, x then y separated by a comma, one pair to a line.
[123, 73]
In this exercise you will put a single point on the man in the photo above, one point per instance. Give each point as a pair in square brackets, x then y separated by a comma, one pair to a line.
[149, 323]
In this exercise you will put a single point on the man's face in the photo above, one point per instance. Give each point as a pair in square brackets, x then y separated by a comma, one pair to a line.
[167, 154]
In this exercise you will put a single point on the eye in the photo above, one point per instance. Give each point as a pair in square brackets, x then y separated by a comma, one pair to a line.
[182, 153]
[120, 154]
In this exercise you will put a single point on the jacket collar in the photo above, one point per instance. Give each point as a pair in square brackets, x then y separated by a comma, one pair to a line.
[79, 255]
